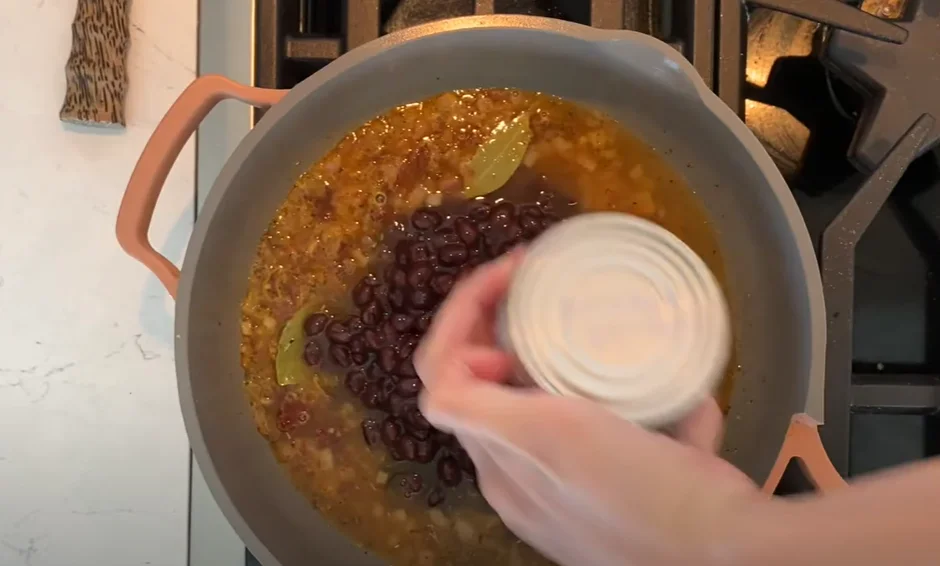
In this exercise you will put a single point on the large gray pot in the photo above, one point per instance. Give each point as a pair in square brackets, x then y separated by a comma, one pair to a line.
[775, 289]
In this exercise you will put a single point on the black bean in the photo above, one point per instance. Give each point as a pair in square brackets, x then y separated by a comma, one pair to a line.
[371, 397]
[337, 332]
[442, 283]
[409, 387]
[397, 299]
[374, 339]
[443, 237]
[391, 335]
[312, 353]
[424, 322]
[466, 231]
[453, 254]
[407, 369]
[385, 308]
[392, 429]
[370, 314]
[387, 385]
[315, 323]
[380, 292]
[530, 225]
[421, 299]
[406, 345]
[398, 278]
[531, 210]
[448, 471]
[362, 294]
[371, 431]
[502, 213]
[426, 451]
[356, 381]
[445, 439]
[419, 274]
[408, 447]
[426, 219]
[408, 339]
[388, 359]
[479, 211]
[513, 233]
[419, 251]
[355, 325]
[371, 279]
[420, 433]
[464, 461]
[399, 406]
[548, 222]
[414, 420]
[498, 244]
[341, 355]
[402, 257]
[395, 453]
[401, 321]
[381, 300]
[360, 358]
[374, 372]
[357, 345]
[405, 351]
[436, 497]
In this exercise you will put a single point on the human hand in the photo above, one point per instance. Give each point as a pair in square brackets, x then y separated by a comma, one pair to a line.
[572, 479]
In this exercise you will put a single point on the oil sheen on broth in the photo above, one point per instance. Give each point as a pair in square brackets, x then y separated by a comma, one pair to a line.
[329, 231]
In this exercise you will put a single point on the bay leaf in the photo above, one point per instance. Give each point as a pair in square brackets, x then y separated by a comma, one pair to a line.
[499, 157]
[289, 361]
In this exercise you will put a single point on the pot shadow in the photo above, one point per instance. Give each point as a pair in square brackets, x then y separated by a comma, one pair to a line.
[157, 308]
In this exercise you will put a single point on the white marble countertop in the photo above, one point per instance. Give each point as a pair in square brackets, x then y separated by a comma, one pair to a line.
[93, 456]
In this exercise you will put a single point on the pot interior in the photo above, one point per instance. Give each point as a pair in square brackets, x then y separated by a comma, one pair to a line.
[633, 81]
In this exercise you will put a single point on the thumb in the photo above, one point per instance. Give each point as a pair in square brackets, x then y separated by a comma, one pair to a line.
[702, 428]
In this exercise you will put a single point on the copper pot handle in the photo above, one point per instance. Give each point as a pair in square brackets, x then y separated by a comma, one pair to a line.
[802, 442]
[158, 157]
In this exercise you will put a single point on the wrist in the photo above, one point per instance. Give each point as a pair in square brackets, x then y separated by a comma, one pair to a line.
[752, 533]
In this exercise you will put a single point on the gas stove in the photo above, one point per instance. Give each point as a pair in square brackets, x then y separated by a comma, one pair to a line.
[844, 97]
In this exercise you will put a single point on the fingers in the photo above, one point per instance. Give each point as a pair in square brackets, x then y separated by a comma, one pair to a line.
[471, 300]
[470, 362]
[468, 307]
[702, 427]
[521, 417]
[488, 364]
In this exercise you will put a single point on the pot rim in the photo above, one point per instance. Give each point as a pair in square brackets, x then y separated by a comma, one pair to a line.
[469, 24]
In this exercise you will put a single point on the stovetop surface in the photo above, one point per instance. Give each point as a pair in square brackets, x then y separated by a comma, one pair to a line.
[775, 70]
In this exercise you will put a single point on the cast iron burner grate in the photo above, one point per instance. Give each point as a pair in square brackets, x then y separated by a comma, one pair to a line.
[295, 38]
[901, 80]
[897, 125]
